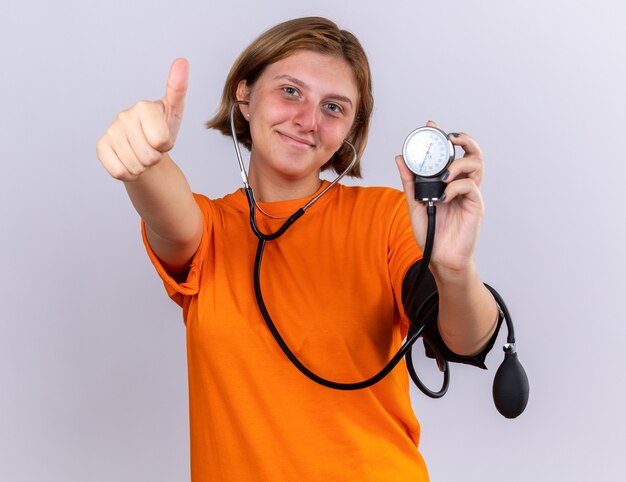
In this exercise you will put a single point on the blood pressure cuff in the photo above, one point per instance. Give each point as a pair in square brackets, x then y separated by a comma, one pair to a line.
[434, 345]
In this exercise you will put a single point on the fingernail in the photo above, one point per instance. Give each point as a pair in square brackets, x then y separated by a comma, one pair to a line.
[455, 134]
[445, 175]
[442, 198]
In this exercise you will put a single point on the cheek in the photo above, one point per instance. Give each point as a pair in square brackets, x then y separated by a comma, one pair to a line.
[335, 133]
[269, 110]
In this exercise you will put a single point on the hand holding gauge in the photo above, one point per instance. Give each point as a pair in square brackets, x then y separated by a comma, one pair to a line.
[433, 176]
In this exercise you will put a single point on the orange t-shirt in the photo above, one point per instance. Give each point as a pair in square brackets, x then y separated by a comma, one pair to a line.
[332, 284]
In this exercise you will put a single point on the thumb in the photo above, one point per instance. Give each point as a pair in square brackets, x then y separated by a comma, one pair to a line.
[406, 175]
[175, 91]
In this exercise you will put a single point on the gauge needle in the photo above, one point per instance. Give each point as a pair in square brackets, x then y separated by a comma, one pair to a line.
[425, 156]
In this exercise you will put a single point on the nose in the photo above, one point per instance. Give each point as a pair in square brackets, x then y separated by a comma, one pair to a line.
[306, 117]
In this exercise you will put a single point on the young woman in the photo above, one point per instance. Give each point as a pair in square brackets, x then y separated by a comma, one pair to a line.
[333, 282]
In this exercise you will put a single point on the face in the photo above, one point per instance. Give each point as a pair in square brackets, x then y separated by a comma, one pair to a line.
[300, 110]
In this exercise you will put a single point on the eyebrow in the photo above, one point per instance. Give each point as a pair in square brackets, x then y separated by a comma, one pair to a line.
[303, 85]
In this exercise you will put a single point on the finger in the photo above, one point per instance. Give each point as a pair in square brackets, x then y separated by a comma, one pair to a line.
[176, 88]
[141, 143]
[408, 178]
[153, 127]
[126, 155]
[467, 143]
[117, 136]
[465, 188]
[471, 167]
[406, 175]
[112, 163]
[145, 128]
[408, 183]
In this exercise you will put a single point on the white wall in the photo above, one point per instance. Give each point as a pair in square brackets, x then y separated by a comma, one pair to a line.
[92, 355]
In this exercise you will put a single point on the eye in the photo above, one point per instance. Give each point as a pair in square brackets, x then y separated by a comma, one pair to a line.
[334, 108]
[292, 91]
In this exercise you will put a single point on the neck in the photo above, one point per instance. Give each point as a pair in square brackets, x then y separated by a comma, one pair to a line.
[269, 187]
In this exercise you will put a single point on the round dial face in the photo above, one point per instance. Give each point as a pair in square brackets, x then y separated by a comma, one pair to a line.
[427, 151]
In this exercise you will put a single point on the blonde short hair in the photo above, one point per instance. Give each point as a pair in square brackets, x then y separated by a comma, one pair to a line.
[309, 33]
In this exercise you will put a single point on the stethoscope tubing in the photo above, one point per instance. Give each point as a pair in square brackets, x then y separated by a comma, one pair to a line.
[423, 313]
[406, 347]
[414, 333]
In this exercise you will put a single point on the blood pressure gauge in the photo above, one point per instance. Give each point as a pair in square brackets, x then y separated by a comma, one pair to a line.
[428, 152]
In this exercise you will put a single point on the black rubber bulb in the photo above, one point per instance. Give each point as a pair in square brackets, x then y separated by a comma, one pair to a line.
[510, 386]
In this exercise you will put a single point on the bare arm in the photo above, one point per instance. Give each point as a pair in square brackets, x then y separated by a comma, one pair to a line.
[468, 314]
[134, 150]
[163, 199]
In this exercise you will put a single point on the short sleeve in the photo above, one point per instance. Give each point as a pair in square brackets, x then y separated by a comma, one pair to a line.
[403, 251]
[434, 345]
[177, 290]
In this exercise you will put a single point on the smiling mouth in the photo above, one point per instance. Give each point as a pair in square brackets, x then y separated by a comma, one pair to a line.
[295, 141]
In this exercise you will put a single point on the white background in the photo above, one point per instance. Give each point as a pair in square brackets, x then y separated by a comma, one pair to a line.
[93, 383]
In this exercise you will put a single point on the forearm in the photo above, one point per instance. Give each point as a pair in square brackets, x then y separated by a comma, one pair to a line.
[163, 199]
[467, 311]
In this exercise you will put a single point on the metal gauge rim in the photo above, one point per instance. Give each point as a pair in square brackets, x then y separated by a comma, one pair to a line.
[410, 163]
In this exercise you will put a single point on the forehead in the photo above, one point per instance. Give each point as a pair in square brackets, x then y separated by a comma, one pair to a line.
[322, 72]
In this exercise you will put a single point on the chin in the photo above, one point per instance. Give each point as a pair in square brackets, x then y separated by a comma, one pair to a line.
[295, 167]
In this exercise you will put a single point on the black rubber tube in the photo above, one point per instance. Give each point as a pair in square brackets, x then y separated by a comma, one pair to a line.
[404, 349]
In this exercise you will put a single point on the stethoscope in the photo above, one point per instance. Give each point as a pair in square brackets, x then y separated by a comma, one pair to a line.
[510, 388]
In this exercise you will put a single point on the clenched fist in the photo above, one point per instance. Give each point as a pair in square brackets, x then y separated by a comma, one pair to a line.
[139, 136]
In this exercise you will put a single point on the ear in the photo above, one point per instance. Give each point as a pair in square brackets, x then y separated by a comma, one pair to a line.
[243, 95]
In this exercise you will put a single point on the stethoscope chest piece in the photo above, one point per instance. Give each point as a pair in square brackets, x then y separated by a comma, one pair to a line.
[428, 152]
